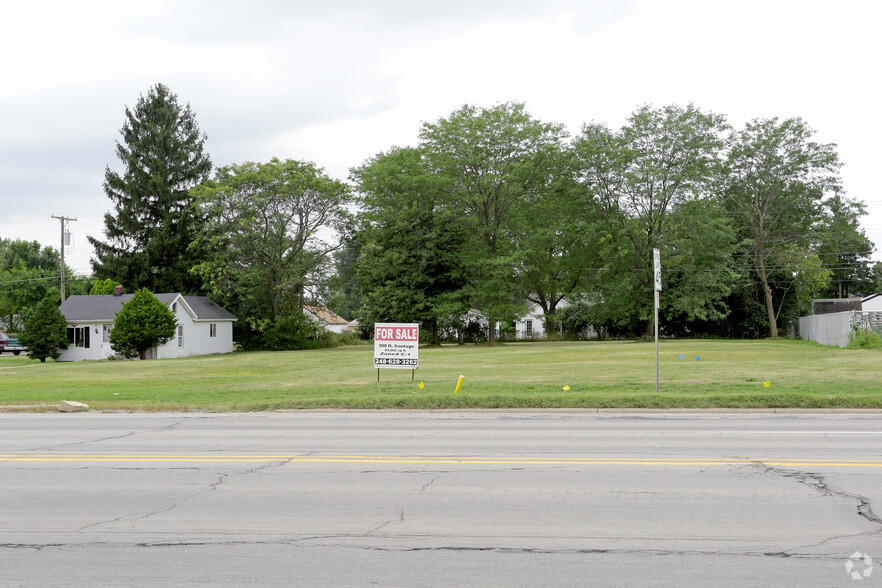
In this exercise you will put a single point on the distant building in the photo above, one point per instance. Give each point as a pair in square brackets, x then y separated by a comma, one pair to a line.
[327, 319]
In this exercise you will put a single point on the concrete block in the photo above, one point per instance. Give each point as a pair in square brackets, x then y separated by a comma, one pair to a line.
[71, 406]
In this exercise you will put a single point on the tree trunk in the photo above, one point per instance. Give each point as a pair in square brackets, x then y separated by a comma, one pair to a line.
[767, 293]
[551, 323]
[491, 331]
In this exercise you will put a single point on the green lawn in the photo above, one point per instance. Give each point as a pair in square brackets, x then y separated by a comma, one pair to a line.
[606, 374]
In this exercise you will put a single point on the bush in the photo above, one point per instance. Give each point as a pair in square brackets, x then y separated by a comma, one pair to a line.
[45, 331]
[143, 322]
[348, 339]
[864, 339]
[282, 333]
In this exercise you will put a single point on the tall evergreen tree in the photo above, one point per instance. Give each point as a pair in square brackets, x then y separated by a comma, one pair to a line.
[154, 221]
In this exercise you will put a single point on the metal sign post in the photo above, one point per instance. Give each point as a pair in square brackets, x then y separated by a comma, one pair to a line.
[656, 267]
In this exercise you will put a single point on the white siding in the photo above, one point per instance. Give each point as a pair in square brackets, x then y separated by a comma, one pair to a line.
[196, 339]
[96, 350]
[872, 304]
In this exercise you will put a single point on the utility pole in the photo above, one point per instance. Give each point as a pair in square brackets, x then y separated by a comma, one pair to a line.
[64, 220]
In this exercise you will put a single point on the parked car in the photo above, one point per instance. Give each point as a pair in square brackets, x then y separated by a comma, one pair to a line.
[10, 344]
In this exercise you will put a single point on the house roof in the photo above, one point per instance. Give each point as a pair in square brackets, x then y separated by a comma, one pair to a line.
[325, 315]
[103, 308]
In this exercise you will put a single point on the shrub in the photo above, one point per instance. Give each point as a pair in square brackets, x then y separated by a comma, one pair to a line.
[143, 322]
[287, 332]
[45, 331]
[864, 339]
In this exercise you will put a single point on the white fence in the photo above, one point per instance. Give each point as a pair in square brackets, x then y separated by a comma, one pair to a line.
[833, 328]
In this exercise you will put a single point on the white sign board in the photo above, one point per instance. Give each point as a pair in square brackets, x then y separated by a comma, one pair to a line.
[396, 346]
[656, 265]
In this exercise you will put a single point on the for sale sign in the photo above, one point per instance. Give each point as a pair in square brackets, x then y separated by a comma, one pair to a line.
[396, 345]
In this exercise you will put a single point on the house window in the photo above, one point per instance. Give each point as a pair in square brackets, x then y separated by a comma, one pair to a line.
[180, 335]
[107, 329]
[529, 328]
[78, 336]
[212, 330]
[174, 307]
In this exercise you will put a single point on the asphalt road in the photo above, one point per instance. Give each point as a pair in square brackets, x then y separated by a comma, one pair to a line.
[561, 498]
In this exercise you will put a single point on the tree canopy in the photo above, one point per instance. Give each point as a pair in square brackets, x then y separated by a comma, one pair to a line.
[29, 273]
[493, 209]
[45, 331]
[269, 233]
[775, 183]
[143, 322]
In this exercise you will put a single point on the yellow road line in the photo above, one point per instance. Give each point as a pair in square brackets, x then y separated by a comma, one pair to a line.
[427, 460]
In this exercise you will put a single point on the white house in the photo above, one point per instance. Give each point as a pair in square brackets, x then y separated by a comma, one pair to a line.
[326, 319]
[204, 328]
[529, 326]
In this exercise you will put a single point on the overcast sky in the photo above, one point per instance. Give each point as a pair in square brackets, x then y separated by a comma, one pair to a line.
[336, 82]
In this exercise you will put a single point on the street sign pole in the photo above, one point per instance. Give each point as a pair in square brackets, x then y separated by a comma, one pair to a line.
[656, 267]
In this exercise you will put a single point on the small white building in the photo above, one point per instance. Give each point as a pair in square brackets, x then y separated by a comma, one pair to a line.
[204, 328]
[529, 326]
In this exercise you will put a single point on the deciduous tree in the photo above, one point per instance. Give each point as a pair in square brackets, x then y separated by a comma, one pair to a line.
[270, 228]
[493, 161]
[662, 160]
[775, 185]
[29, 273]
[411, 264]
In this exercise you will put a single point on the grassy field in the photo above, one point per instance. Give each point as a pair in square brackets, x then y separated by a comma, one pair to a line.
[727, 374]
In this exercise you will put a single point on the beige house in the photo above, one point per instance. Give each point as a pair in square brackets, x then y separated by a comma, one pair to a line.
[327, 319]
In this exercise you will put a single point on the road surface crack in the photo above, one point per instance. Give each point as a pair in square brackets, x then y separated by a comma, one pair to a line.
[818, 483]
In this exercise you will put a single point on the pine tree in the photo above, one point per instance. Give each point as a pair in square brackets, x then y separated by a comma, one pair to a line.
[153, 221]
[45, 331]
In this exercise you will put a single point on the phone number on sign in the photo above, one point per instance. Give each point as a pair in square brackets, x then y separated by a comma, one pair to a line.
[380, 361]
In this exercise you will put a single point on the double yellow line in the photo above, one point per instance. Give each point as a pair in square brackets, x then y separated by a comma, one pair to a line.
[432, 460]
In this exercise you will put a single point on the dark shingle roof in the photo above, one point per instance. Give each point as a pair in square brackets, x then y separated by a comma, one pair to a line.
[207, 310]
[103, 308]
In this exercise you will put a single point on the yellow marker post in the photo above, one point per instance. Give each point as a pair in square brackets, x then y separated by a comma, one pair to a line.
[565, 388]
[459, 384]
[422, 385]
[767, 383]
